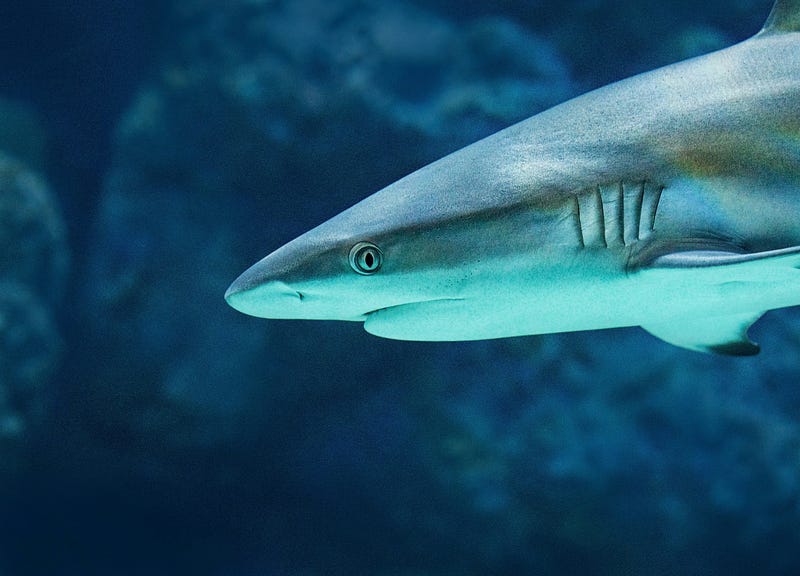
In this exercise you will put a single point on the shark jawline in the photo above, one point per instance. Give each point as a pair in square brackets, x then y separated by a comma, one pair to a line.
[411, 303]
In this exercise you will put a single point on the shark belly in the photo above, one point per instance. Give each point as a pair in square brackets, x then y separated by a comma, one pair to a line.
[652, 298]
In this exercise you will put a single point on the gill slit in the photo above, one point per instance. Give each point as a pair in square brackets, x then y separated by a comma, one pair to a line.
[580, 221]
[624, 221]
[659, 192]
[601, 213]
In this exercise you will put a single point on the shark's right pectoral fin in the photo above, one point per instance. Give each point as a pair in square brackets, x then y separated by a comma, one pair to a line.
[720, 335]
[758, 276]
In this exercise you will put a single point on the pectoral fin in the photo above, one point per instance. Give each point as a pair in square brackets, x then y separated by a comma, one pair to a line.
[689, 253]
[720, 335]
[705, 258]
[766, 279]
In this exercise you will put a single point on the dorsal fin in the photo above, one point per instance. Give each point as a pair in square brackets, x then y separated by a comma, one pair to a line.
[785, 17]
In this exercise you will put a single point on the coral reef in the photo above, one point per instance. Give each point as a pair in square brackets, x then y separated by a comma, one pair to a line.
[22, 134]
[33, 265]
[32, 233]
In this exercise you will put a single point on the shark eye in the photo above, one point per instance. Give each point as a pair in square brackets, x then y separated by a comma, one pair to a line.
[366, 258]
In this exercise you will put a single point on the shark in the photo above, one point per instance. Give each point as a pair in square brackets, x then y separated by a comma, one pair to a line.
[669, 201]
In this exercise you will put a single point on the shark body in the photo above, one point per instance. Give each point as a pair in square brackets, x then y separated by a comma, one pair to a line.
[670, 200]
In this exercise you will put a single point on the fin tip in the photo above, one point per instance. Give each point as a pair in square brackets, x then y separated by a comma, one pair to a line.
[740, 348]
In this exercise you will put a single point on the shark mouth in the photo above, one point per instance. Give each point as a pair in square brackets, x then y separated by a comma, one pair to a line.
[395, 307]
[425, 320]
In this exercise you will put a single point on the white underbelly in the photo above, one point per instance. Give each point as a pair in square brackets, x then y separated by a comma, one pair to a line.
[588, 298]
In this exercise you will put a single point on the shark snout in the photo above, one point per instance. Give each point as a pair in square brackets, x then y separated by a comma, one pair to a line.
[258, 292]
[271, 299]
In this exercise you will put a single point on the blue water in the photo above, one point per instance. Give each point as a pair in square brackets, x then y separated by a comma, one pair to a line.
[146, 428]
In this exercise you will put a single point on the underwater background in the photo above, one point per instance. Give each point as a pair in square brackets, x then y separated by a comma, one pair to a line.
[150, 151]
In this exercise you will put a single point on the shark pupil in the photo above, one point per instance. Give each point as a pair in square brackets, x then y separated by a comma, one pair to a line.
[365, 258]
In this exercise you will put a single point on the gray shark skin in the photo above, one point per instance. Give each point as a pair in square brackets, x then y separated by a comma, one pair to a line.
[670, 200]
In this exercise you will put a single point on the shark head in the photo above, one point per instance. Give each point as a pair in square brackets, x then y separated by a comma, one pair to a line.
[324, 276]
[377, 256]
[406, 260]
[317, 277]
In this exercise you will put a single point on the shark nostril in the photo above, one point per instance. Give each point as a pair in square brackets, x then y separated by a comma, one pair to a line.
[301, 296]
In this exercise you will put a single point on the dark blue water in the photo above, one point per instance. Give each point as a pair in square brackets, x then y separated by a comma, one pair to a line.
[147, 428]
[79, 64]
